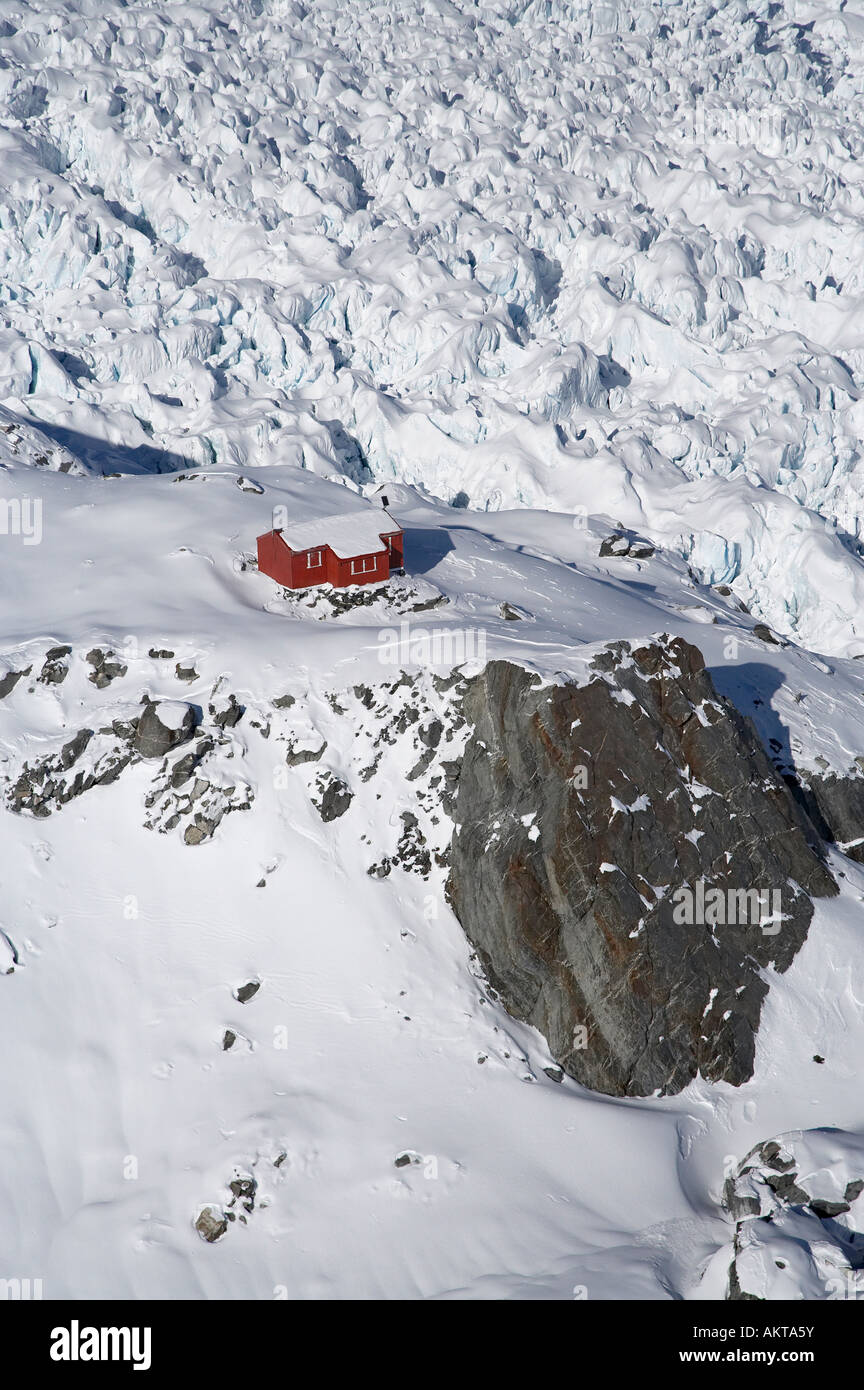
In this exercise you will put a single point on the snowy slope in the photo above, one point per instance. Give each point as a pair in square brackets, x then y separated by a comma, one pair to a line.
[364, 1039]
[526, 264]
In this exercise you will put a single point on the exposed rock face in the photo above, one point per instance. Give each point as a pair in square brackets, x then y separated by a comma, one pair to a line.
[163, 725]
[593, 822]
[835, 804]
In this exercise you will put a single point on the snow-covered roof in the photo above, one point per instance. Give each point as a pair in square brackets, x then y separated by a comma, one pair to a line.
[349, 533]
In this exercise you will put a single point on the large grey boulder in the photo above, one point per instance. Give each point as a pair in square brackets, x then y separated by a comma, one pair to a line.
[163, 725]
[585, 816]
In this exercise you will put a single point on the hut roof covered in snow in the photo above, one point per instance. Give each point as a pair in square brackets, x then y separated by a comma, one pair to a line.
[355, 531]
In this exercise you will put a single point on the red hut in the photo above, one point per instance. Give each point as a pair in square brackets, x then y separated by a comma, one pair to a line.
[360, 545]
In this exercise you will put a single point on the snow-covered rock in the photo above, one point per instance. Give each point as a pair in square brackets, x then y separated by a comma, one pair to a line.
[162, 725]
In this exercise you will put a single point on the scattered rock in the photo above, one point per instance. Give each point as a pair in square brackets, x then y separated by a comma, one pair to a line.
[444, 684]
[404, 1160]
[412, 851]
[105, 668]
[185, 766]
[247, 991]
[211, 1224]
[55, 669]
[336, 797]
[295, 757]
[426, 605]
[228, 715]
[183, 793]
[46, 786]
[422, 763]
[430, 734]
[10, 680]
[243, 1190]
[201, 829]
[626, 546]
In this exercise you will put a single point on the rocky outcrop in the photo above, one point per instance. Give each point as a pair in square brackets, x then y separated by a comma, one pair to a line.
[191, 789]
[411, 852]
[163, 725]
[228, 715]
[89, 759]
[55, 670]
[106, 667]
[191, 793]
[211, 1224]
[798, 1209]
[835, 804]
[9, 681]
[213, 1220]
[625, 545]
[334, 797]
[626, 860]
[357, 746]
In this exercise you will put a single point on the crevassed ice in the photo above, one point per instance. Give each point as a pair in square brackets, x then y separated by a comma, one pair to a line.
[524, 252]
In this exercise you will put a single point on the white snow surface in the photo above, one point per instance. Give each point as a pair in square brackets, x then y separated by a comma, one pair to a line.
[172, 713]
[354, 531]
[524, 264]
